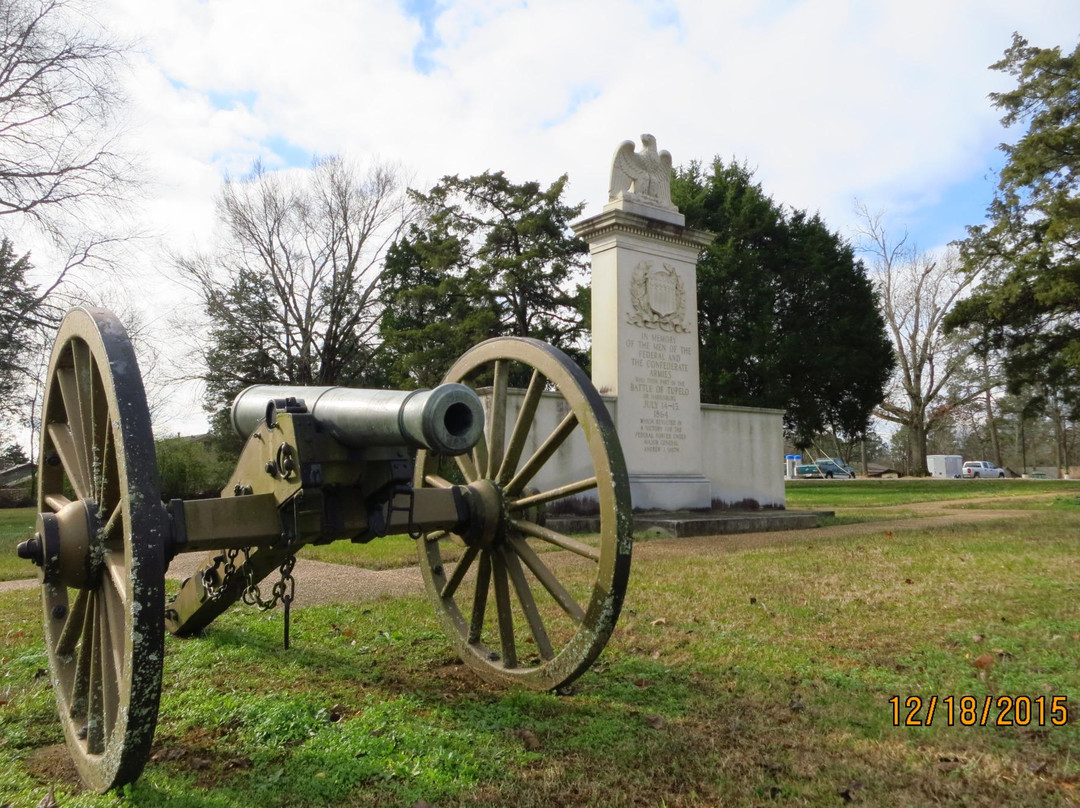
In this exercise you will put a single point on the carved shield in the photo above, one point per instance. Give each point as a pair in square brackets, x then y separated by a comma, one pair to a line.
[662, 292]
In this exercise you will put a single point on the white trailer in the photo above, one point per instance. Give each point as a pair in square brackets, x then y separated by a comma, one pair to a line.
[945, 466]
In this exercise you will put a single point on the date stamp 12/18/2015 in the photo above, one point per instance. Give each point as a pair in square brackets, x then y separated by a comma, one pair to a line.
[980, 711]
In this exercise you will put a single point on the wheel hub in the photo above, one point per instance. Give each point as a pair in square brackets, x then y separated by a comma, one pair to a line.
[67, 545]
[489, 514]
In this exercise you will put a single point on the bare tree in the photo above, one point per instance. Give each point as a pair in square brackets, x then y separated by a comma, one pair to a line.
[915, 291]
[58, 95]
[291, 291]
[62, 173]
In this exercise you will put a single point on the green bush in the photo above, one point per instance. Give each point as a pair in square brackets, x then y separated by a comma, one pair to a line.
[189, 467]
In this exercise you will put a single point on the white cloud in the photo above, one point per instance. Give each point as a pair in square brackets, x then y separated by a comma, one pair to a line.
[830, 100]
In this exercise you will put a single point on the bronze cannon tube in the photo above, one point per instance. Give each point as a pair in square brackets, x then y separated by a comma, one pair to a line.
[447, 419]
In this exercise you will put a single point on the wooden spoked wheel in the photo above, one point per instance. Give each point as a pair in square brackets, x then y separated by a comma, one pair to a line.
[514, 611]
[100, 541]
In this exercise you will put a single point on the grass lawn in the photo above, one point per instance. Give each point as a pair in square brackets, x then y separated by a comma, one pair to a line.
[810, 494]
[1068, 502]
[16, 524]
[748, 677]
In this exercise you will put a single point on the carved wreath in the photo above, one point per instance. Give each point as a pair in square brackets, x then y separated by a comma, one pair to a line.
[659, 298]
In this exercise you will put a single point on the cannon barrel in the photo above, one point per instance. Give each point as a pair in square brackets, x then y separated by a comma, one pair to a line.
[447, 419]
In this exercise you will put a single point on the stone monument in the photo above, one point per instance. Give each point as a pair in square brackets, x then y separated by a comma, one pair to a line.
[644, 328]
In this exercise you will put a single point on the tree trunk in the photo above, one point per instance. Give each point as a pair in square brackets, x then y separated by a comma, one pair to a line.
[995, 444]
[918, 447]
[1059, 439]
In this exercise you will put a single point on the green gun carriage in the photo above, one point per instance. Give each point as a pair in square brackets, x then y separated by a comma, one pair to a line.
[319, 465]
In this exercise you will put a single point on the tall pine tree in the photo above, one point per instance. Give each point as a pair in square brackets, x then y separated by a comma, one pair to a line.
[787, 317]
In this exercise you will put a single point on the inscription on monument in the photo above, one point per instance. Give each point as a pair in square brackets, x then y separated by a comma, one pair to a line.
[661, 380]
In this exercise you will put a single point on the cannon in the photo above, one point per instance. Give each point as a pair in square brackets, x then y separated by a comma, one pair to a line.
[320, 464]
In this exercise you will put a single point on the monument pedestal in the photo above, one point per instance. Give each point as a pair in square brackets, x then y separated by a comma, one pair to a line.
[645, 346]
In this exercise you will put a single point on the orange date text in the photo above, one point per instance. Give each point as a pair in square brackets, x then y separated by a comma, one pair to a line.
[980, 711]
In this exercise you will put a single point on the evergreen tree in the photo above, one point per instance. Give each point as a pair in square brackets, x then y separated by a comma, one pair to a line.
[18, 305]
[488, 258]
[1029, 302]
[787, 317]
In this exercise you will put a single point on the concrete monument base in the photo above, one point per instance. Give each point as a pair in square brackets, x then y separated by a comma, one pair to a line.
[670, 492]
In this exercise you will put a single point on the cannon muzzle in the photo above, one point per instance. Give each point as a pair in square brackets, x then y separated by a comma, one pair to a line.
[448, 419]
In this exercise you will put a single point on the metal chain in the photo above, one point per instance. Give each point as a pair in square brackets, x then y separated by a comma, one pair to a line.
[228, 559]
[284, 587]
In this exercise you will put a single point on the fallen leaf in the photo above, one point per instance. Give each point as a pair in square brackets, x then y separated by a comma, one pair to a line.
[528, 738]
[660, 621]
[1003, 655]
[984, 662]
[888, 534]
[753, 601]
[848, 794]
[976, 637]
[642, 683]
[796, 705]
[908, 581]
[654, 721]
[950, 764]
[655, 654]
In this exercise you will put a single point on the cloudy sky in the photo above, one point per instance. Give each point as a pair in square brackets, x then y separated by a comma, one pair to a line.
[830, 100]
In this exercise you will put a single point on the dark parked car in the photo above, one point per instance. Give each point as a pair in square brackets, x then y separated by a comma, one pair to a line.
[822, 469]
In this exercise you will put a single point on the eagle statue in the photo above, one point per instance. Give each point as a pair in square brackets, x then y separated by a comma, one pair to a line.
[646, 173]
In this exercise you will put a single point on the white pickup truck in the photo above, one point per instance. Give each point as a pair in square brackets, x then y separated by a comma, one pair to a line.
[981, 468]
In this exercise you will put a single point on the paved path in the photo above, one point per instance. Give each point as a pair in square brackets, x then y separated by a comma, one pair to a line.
[318, 582]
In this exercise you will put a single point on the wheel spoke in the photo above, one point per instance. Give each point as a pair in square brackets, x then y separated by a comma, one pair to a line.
[497, 433]
[56, 501]
[95, 714]
[81, 688]
[117, 608]
[521, 427]
[479, 455]
[73, 626]
[480, 596]
[60, 435]
[459, 572]
[112, 522]
[84, 374]
[543, 454]
[546, 577]
[116, 565]
[555, 493]
[505, 614]
[108, 482]
[111, 666]
[528, 604]
[465, 463]
[435, 481]
[75, 403]
[558, 539]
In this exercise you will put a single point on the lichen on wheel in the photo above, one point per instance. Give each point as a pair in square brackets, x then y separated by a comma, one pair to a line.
[527, 603]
